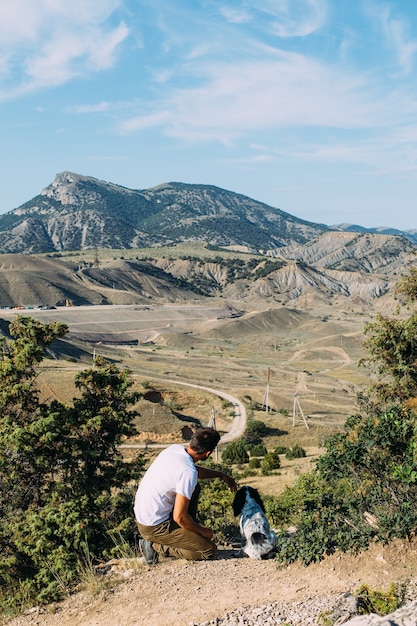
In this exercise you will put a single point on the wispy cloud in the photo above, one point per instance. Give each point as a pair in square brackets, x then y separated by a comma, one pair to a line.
[396, 32]
[280, 90]
[293, 18]
[144, 122]
[80, 109]
[234, 83]
[47, 43]
[235, 15]
[376, 154]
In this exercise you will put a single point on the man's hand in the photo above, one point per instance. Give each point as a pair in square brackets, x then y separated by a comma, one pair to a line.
[230, 482]
[206, 532]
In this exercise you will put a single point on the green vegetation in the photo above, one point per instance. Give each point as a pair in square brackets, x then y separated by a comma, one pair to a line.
[65, 489]
[377, 601]
[270, 462]
[365, 486]
[256, 449]
[235, 452]
[296, 452]
[254, 431]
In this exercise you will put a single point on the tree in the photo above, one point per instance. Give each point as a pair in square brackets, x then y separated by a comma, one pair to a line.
[270, 462]
[235, 452]
[364, 487]
[392, 349]
[254, 431]
[64, 484]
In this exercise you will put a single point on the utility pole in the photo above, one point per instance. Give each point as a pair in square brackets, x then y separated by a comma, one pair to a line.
[297, 411]
[266, 394]
[212, 424]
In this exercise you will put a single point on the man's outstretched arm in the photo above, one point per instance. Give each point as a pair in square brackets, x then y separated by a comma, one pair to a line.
[207, 472]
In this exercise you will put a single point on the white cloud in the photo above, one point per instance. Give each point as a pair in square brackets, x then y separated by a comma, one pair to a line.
[89, 108]
[396, 33]
[293, 18]
[283, 90]
[235, 15]
[382, 153]
[144, 122]
[48, 42]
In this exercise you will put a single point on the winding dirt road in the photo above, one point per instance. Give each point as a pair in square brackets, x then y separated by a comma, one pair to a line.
[239, 420]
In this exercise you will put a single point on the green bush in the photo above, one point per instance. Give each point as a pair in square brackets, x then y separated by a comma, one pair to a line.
[270, 462]
[369, 471]
[256, 449]
[235, 452]
[255, 463]
[281, 450]
[215, 503]
[297, 452]
[254, 431]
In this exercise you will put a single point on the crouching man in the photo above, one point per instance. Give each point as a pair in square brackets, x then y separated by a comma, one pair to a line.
[166, 501]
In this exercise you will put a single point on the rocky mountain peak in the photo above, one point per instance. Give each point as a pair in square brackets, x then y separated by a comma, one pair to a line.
[62, 188]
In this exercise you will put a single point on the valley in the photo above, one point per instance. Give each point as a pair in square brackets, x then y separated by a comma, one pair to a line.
[296, 369]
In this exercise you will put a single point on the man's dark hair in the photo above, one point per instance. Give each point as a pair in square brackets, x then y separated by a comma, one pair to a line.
[204, 440]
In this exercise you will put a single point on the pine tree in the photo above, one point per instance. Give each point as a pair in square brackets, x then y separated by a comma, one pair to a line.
[63, 482]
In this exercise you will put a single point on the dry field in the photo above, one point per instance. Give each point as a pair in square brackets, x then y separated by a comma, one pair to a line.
[299, 365]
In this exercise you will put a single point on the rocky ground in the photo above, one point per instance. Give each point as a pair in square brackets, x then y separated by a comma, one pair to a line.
[230, 591]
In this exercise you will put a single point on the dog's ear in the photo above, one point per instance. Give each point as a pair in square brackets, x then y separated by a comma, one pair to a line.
[254, 493]
[239, 501]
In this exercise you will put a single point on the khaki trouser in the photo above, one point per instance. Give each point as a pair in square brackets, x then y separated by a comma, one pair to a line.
[169, 539]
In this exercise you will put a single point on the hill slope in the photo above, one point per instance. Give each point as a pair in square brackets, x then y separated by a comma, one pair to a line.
[79, 212]
[357, 267]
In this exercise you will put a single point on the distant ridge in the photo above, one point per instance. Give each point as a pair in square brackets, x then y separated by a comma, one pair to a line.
[411, 235]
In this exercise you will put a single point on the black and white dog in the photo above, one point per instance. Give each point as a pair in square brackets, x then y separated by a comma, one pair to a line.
[258, 540]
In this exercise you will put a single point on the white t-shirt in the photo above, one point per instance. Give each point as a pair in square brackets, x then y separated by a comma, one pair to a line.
[172, 472]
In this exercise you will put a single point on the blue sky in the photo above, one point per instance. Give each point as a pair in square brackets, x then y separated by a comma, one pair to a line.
[307, 105]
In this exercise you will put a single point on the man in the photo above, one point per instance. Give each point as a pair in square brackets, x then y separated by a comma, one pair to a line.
[166, 501]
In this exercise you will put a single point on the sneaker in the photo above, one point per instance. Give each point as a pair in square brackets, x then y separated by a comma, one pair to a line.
[148, 552]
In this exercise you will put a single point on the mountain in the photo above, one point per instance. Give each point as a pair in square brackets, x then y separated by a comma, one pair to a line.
[246, 250]
[80, 212]
[411, 235]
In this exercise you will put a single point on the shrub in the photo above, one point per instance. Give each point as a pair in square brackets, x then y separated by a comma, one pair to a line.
[281, 450]
[254, 431]
[270, 462]
[215, 503]
[367, 473]
[256, 449]
[235, 452]
[64, 483]
[297, 452]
